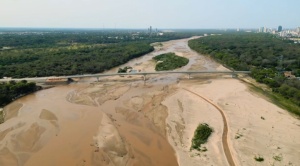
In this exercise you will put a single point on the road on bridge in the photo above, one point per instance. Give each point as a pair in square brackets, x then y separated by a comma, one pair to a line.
[43, 79]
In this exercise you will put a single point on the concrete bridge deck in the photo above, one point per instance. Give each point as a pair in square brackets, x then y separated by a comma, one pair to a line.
[43, 79]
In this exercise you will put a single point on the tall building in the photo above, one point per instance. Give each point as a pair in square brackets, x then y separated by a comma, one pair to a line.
[150, 30]
[265, 30]
[279, 28]
[298, 30]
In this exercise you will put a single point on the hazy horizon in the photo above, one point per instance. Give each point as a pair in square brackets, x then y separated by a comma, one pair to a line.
[134, 14]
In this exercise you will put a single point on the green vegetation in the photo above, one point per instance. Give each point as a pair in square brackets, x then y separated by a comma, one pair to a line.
[45, 38]
[68, 60]
[54, 52]
[238, 135]
[203, 149]
[278, 157]
[265, 55]
[124, 70]
[259, 158]
[13, 90]
[277, 99]
[169, 61]
[242, 51]
[201, 136]
[288, 88]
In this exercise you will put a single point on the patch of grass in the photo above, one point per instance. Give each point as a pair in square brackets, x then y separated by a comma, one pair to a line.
[201, 136]
[203, 149]
[277, 158]
[259, 158]
[237, 136]
[169, 61]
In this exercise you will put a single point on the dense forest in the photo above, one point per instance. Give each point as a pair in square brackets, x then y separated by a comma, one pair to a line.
[57, 38]
[36, 53]
[12, 90]
[76, 59]
[266, 55]
[41, 40]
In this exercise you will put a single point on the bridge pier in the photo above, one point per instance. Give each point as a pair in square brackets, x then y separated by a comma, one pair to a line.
[189, 76]
[145, 78]
[97, 79]
[234, 75]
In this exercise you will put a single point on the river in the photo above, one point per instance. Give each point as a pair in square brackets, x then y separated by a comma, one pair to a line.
[94, 123]
[126, 121]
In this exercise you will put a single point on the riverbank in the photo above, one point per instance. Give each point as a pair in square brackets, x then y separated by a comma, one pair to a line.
[285, 89]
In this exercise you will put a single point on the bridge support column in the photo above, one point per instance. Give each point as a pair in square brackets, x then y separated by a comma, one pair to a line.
[144, 79]
[97, 79]
[189, 77]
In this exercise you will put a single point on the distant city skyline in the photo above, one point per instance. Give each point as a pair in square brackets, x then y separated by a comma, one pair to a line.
[172, 14]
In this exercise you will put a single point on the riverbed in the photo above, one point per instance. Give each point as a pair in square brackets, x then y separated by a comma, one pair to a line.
[126, 121]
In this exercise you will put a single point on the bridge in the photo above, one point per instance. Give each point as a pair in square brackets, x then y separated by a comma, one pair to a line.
[189, 73]
[233, 73]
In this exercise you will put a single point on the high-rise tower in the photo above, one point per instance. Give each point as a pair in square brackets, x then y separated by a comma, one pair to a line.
[298, 30]
[279, 28]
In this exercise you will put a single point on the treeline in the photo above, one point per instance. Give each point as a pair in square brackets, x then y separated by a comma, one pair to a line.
[289, 88]
[36, 53]
[41, 39]
[243, 50]
[13, 90]
[20, 38]
[266, 55]
[76, 59]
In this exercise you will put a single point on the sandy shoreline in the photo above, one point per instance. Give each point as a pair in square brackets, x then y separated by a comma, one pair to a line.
[122, 121]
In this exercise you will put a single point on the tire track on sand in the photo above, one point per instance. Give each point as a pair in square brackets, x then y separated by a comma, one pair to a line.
[225, 130]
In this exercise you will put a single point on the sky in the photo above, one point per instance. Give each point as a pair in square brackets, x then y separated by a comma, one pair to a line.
[172, 14]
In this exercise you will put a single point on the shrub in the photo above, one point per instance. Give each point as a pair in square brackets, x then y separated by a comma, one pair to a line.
[201, 136]
[259, 158]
